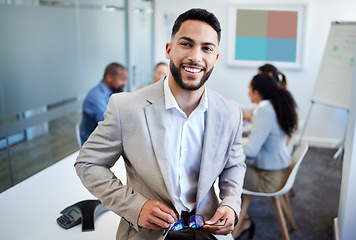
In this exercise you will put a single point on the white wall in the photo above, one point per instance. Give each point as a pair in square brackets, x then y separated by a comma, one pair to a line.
[326, 125]
[345, 224]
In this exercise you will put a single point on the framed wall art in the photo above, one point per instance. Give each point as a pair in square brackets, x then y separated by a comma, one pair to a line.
[260, 34]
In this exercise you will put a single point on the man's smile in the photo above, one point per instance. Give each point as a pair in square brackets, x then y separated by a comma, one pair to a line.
[192, 70]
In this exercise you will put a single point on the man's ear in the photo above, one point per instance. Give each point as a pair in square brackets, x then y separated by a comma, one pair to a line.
[168, 50]
[217, 56]
[108, 78]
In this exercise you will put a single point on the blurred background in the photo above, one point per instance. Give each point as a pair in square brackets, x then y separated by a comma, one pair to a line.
[51, 54]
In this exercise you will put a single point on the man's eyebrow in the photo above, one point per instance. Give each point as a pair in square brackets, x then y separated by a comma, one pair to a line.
[192, 41]
[209, 44]
[187, 39]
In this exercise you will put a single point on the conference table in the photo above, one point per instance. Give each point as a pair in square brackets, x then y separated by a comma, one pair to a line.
[29, 209]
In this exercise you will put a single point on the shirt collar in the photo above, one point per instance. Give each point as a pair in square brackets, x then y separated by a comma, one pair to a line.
[171, 102]
[260, 105]
[263, 103]
[104, 88]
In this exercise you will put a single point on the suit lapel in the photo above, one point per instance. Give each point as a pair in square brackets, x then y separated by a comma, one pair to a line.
[157, 129]
[211, 135]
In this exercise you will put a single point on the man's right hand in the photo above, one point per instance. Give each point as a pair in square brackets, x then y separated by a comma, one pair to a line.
[156, 215]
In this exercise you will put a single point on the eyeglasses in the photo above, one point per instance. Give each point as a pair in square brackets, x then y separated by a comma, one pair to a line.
[195, 221]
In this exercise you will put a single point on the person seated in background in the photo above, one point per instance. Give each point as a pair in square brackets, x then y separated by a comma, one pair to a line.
[95, 103]
[267, 156]
[161, 70]
[277, 75]
[279, 78]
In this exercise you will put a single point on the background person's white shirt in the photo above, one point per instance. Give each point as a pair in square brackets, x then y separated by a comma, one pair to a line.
[266, 145]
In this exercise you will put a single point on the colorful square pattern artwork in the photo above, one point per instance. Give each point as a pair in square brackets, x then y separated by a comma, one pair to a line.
[263, 35]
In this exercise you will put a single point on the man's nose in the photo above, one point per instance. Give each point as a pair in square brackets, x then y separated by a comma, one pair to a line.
[195, 55]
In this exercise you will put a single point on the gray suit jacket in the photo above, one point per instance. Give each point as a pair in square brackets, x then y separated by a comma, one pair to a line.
[134, 128]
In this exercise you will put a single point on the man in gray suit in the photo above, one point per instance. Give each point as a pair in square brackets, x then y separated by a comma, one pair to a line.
[176, 137]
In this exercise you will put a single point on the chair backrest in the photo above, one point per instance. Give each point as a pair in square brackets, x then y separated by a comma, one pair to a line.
[292, 141]
[77, 132]
[297, 158]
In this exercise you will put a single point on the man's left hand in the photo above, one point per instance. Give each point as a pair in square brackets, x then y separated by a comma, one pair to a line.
[220, 216]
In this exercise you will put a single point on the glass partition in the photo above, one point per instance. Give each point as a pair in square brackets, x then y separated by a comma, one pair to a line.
[102, 34]
[52, 54]
[140, 43]
[6, 180]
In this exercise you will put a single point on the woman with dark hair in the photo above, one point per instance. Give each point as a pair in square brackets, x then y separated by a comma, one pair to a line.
[267, 155]
[272, 71]
[279, 78]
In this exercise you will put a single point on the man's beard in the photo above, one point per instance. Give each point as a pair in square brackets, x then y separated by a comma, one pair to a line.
[118, 89]
[178, 77]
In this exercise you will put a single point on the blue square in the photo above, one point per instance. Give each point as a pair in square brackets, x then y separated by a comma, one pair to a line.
[250, 48]
[281, 49]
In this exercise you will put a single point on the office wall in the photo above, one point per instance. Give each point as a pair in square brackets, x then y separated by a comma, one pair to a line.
[326, 126]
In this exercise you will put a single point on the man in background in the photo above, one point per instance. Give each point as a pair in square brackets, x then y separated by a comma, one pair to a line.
[95, 103]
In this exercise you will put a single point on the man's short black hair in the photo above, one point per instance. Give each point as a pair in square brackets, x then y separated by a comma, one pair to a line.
[112, 68]
[199, 15]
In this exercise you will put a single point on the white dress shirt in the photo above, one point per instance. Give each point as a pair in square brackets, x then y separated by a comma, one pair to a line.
[185, 141]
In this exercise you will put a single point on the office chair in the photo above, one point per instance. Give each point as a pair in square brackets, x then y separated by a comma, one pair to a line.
[77, 132]
[280, 198]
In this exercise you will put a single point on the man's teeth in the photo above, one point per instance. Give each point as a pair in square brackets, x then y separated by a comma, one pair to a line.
[192, 70]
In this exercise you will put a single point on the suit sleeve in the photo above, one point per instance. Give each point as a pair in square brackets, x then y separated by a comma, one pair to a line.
[261, 127]
[99, 153]
[232, 177]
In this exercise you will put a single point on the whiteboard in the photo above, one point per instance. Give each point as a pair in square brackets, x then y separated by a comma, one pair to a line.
[333, 85]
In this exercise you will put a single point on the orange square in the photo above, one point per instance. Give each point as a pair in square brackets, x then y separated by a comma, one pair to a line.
[282, 24]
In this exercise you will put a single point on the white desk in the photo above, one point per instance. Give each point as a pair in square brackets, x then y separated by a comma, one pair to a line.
[28, 211]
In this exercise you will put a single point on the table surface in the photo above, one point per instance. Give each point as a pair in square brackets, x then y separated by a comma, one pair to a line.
[29, 210]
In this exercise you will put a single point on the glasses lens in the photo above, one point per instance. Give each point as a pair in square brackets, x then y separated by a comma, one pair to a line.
[178, 225]
[196, 221]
